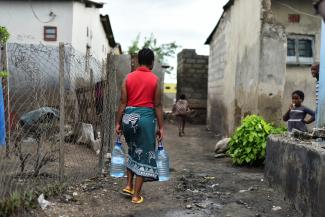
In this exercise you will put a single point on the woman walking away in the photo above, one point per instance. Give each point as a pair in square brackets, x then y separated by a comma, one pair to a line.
[181, 110]
[139, 109]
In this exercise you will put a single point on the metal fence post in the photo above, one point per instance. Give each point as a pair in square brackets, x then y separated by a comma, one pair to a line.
[62, 114]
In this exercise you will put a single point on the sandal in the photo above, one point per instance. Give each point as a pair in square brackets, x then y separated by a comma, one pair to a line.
[128, 192]
[141, 200]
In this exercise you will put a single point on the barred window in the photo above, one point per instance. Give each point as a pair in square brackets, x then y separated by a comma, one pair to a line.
[300, 50]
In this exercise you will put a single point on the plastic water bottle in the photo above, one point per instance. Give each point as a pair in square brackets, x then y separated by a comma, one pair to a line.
[118, 160]
[162, 163]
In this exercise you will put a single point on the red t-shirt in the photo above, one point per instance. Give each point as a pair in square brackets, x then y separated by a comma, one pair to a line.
[141, 88]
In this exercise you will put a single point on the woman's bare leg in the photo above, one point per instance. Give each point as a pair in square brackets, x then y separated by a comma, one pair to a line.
[130, 176]
[138, 186]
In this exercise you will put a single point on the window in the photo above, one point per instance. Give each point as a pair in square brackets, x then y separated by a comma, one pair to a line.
[50, 33]
[300, 50]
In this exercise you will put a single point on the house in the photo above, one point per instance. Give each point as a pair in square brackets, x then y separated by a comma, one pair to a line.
[48, 22]
[36, 28]
[260, 51]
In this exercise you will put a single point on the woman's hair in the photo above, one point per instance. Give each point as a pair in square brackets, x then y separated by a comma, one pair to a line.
[182, 96]
[299, 93]
[146, 57]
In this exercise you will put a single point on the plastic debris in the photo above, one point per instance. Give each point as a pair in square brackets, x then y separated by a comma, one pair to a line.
[276, 208]
[42, 202]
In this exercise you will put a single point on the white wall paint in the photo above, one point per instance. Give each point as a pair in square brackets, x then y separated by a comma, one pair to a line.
[72, 20]
[88, 17]
[24, 27]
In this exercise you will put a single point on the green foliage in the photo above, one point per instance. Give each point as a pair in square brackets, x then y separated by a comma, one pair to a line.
[248, 144]
[162, 51]
[4, 74]
[23, 201]
[4, 35]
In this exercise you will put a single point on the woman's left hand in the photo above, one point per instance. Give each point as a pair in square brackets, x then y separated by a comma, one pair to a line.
[160, 134]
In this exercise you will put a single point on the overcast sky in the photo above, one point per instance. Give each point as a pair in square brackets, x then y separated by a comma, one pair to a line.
[187, 22]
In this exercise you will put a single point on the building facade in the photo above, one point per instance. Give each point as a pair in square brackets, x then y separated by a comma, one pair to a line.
[258, 58]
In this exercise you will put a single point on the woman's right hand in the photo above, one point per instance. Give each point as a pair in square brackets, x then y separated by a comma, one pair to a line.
[118, 129]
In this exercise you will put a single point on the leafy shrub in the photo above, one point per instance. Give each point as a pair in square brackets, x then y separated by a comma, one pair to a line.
[4, 35]
[248, 144]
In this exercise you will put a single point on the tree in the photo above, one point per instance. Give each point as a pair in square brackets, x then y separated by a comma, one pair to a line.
[4, 35]
[162, 52]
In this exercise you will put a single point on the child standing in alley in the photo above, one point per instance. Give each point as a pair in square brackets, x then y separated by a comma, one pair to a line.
[296, 114]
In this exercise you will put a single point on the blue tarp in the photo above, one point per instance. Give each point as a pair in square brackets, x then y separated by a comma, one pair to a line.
[2, 118]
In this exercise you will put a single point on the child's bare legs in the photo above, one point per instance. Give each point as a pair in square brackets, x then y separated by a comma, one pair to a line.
[180, 124]
[183, 124]
[130, 176]
[137, 190]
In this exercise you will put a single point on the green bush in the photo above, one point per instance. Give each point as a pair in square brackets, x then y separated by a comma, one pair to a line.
[4, 35]
[248, 144]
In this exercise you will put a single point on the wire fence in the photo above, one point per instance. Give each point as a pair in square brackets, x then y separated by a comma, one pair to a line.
[59, 108]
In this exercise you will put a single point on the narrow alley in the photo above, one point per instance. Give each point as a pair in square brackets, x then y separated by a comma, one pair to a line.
[200, 186]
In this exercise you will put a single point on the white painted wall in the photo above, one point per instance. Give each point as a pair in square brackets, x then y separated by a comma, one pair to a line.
[25, 28]
[88, 17]
[72, 20]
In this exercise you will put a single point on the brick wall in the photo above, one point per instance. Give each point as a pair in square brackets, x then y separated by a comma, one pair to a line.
[192, 80]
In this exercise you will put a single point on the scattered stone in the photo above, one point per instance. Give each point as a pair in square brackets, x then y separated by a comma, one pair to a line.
[258, 215]
[249, 189]
[209, 177]
[214, 185]
[242, 202]
[189, 206]
[276, 208]
[301, 135]
[220, 155]
[318, 133]
[222, 146]
[66, 198]
[75, 194]
[193, 191]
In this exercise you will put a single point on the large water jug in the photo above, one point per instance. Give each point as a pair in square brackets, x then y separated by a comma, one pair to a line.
[162, 163]
[118, 160]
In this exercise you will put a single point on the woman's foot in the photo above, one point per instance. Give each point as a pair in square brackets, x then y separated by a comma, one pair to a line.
[137, 199]
[128, 190]
[180, 134]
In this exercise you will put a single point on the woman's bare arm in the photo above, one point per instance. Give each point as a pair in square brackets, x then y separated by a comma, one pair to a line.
[121, 108]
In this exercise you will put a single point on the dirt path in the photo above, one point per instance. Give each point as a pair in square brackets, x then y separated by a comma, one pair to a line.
[200, 186]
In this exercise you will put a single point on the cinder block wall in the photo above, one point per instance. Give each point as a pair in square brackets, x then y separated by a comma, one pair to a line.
[192, 80]
[297, 169]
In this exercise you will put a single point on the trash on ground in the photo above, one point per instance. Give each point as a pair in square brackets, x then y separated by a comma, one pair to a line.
[42, 202]
[276, 208]
[249, 189]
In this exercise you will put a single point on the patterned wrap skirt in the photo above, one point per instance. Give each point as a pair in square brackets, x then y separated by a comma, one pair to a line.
[139, 129]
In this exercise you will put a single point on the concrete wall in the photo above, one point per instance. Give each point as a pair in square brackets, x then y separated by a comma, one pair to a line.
[24, 27]
[248, 72]
[298, 171]
[192, 80]
[234, 66]
[299, 77]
